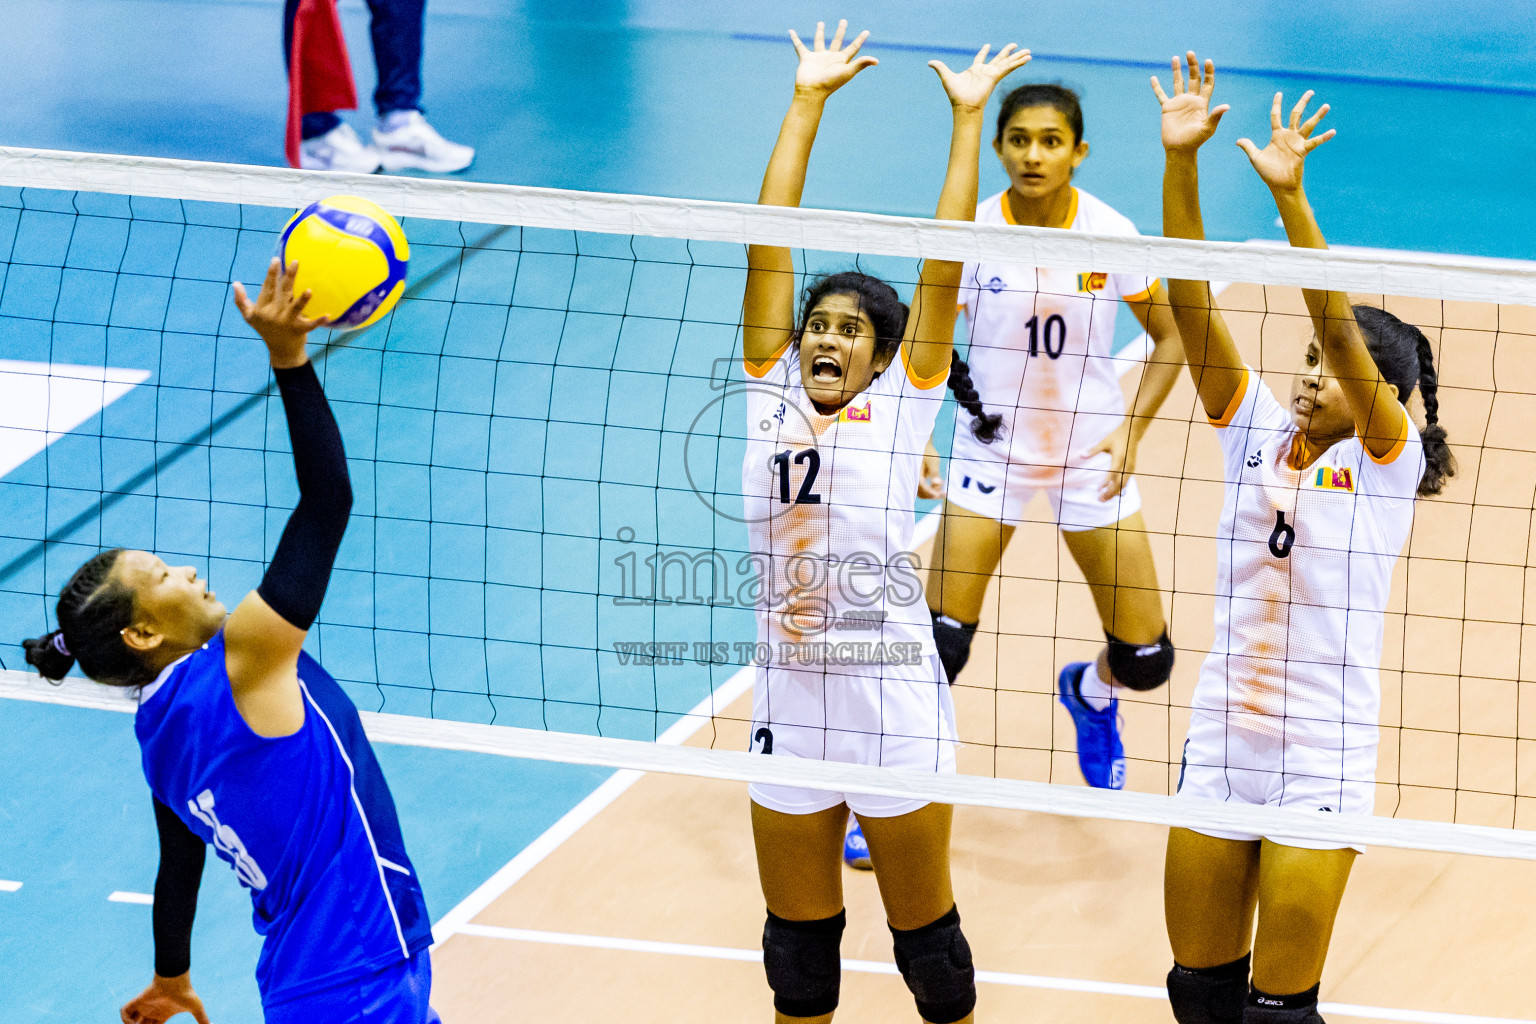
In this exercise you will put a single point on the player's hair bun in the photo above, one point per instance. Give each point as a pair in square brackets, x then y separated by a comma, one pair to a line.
[50, 655]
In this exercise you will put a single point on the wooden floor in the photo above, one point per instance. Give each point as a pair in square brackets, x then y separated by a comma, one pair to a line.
[670, 861]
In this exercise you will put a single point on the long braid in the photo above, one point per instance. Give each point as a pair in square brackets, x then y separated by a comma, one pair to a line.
[986, 427]
[1439, 462]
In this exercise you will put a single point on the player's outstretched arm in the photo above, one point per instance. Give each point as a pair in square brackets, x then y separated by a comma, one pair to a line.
[1188, 121]
[931, 327]
[265, 633]
[1374, 403]
[182, 855]
[768, 309]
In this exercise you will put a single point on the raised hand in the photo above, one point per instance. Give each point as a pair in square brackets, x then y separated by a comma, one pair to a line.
[970, 89]
[823, 70]
[1188, 119]
[1280, 162]
[278, 315]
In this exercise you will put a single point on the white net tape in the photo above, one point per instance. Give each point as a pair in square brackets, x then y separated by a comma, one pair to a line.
[1435, 277]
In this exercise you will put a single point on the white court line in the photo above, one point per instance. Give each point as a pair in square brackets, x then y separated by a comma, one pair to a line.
[142, 898]
[1111, 988]
[7, 886]
[489, 891]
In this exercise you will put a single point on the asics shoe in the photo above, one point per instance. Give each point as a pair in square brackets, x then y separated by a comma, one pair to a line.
[855, 848]
[405, 140]
[338, 150]
[1100, 754]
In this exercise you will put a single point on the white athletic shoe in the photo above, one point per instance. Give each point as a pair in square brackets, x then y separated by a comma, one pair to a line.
[404, 140]
[338, 150]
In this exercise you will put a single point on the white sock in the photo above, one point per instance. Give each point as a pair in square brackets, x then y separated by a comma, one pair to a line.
[395, 119]
[1092, 690]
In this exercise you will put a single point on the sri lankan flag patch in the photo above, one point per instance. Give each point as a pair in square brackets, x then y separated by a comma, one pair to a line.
[1327, 478]
[1092, 282]
[855, 414]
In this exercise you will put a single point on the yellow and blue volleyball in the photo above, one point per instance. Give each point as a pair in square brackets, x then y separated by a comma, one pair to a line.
[352, 258]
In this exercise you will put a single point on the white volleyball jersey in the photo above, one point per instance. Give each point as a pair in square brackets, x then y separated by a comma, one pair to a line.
[829, 508]
[1041, 342]
[1304, 564]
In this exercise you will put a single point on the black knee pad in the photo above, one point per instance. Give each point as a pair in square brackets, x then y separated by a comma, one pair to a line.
[935, 962]
[1300, 1008]
[953, 639]
[1140, 666]
[1209, 995]
[805, 969]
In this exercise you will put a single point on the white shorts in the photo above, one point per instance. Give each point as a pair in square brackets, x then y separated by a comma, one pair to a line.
[983, 481]
[1233, 764]
[856, 716]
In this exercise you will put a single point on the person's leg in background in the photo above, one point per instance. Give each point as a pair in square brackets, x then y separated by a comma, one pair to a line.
[403, 137]
[327, 143]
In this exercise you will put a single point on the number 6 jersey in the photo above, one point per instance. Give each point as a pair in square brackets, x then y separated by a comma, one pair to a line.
[829, 502]
[1304, 563]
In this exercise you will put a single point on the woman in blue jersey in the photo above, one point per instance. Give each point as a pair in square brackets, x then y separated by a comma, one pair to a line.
[250, 745]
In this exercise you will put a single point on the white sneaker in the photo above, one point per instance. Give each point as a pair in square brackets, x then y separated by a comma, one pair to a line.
[338, 150]
[404, 140]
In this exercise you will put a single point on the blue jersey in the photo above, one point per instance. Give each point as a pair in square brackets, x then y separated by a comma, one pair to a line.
[306, 821]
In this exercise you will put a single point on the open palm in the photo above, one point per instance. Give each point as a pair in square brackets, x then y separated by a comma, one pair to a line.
[826, 69]
[1280, 163]
[971, 88]
[1188, 120]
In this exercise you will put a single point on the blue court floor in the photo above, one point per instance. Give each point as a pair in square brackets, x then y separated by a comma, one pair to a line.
[672, 97]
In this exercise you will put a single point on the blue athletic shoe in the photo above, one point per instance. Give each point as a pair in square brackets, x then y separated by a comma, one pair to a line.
[855, 848]
[1099, 752]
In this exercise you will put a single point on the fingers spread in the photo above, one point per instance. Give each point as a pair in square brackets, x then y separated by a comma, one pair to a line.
[1300, 106]
[1311, 123]
[853, 47]
[242, 301]
[821, 36]
[1157, 90]
[1178, 77]
[1274, 113]
[1247, 146]
[799, 46]
[1314, 143]
[940, 67]
[837, 37]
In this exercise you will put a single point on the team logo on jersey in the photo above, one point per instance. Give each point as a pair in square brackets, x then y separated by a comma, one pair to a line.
[995, 285]
[1328, 478]
[856, 414]
[983, 488]
[227, 841]
[1092, 282]
[1256, 458]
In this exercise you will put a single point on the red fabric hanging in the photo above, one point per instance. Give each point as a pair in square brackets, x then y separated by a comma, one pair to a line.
[319, 71]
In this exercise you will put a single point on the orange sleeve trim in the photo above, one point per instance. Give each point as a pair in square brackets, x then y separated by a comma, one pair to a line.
[1237, 401]
[1395, 451]
[923, 383]
[1146, 296]
[761, 369]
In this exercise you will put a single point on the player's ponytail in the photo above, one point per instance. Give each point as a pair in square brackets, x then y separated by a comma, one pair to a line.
[985, 427]
[1438, 460]
[1406, 360]
[93, 611]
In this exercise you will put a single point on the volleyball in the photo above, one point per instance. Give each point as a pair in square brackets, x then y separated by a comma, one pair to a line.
[352, 257]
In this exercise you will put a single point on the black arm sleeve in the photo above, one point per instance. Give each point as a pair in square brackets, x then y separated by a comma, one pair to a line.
[296, 580]
[181, 874]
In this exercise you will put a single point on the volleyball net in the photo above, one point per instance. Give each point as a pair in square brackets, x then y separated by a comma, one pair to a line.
[548, 556]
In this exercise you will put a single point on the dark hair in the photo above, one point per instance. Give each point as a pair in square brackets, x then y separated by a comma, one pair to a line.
[888, 314]
[1406, 360]
[1042, 94]
[93, 611]
[986, 427]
